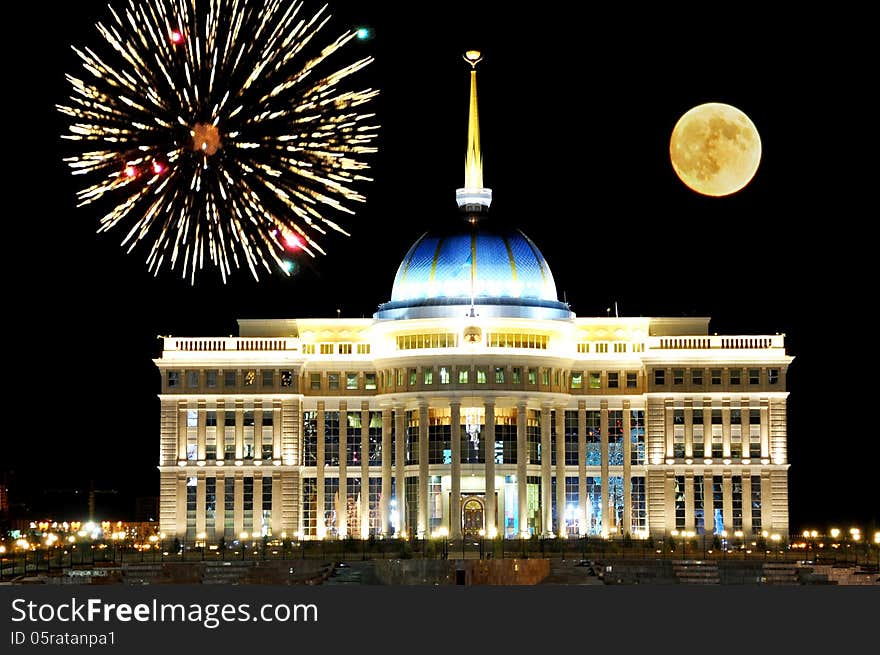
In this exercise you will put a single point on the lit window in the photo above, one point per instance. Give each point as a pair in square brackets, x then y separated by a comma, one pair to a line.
[577, 380]
[499, 375]
[308, 349]
[583, 347]
[736, 376]
[344, 348]
[413, 377]
[268, 377]
[400, 377]
[229, 378]
[286, 378]
[326, 348]
[192, 379]
[545, 377]
[333, 380]
[659, 376]
[481, 376]
[250, 377]
[632, 380]
[697, 376]
[678, 376]
[716, 376]
[620, 347]
[428, 376]
[533, 376]
[444, 375]
[462, 376]
[772, 376]
[192, 418]
[754, 376]
[211, 379]
[351, 380]
[678, 417]
[516, 375]
[370, 381]
[613, 380]
[601, 347]
[363, 349]
[735, 416]
[173, 378]
[595, 380]
[315, 381]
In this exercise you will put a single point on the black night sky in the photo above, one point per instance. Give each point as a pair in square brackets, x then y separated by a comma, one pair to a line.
[576, 107]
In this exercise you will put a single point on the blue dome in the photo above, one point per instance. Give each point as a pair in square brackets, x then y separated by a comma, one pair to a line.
[495, 268]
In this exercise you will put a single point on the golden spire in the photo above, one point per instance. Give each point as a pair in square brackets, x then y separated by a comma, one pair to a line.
[473, 165]
[473, 195]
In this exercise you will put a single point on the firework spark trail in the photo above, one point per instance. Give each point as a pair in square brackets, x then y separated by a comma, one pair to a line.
[216, 131]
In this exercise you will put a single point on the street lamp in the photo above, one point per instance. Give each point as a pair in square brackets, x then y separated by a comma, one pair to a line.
[739, 535]
[776, 538]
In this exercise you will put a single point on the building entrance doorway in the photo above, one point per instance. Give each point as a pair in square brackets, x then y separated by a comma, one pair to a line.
[472, 518]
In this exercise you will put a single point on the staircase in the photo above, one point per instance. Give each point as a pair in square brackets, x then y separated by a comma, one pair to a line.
[573, 572]
[697, 572]
[781, 573]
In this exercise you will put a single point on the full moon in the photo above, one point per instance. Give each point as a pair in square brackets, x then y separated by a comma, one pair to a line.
[715, 149]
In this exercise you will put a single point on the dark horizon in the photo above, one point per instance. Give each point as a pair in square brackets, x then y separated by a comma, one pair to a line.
[588, 180]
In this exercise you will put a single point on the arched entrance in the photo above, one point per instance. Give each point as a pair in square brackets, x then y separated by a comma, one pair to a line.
[472, 517]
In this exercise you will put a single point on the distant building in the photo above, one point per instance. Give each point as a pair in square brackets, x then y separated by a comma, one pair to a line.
[473, 402]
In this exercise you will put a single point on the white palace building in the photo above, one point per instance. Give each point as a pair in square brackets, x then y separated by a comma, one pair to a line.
[473, 402]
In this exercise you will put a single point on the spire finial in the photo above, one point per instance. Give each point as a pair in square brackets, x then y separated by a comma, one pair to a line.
[473, 197]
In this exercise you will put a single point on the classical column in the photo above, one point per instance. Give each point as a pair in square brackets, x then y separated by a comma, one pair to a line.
[546, 485]
[277, 418]
[423, 527]
[709, 502]
[689, 428]
[399, 464]
[626, 528]
[765, 434]
[689, 499]
[561, 530]
[182, 409]
[385, 497]
[239, 429]
[342, 504]
[220, 507]
[365, 470]
[238, 505]
[727, 499]
[258, 430]
[745, 428]
[201, 523]
[455, 491]
[746, 501]
[257, 504]
[583, 501]
[489, 443]
[221, 430]
[607, 520]
[669, 429]
[522, 458]
[321, 521]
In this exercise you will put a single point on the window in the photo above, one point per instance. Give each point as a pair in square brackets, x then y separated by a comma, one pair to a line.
[428, 376]
[326, 348]
[192, 418]
[736, 417]
[444, 375]
[308, 349]
[268, 376]
[678, 376]
[754, 376]
[678, 417]
[268, 417]
[250, 376]
[412, 377]
[400, 377]
[595, 380]
[613, 380]
[420, 341]
[363, 349]
[516, 340]
[211, 379]
[716, 376]
[344, 348]
[173, 378]
[462, 376]
[716, 417]
[772, 376]
[736, 376]
[481, 376]
[516, 375]
[577, 380]
[351, 380]
[249, 419]
[632, 380]
[620, 347]
[499, 375]
[583, 347]
[545, 377]
[229, 419]
[333, 380]
[754, 417]
[601, 347]
[286, 378]
[697, 376]
[211, 418]
[314, 381]
[533, 376]
[192, 379]
[659, 376]
[229, 379]
[697, 417]
[370, 381]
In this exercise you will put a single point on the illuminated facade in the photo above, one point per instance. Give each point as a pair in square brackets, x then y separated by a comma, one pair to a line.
[473, 402]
